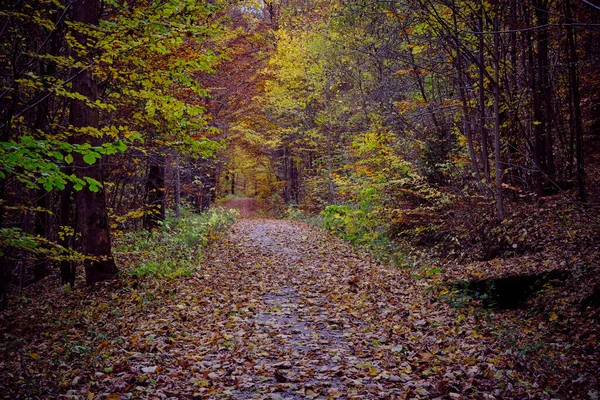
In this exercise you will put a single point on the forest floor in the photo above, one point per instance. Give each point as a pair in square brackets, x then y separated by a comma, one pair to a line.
[282, 310]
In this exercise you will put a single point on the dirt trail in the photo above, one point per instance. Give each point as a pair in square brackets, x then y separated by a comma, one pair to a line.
[304, 350]
[300, 323]
[248, 207]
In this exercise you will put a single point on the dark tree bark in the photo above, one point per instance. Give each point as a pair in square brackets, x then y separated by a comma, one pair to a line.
[177, 188]
[461, 82]
[576, 101]
[92, 216]
[285, 175]
[545, 89]
[539, 148]
[482, 114]
[331, 187]
[66, 237]
[497, 155]
[42, 225]
[155, 193]
[294, 182]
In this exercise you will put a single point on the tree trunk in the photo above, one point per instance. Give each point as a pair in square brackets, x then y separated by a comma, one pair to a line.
[177, 194]
[233, 183]
[545, 89]
[576, 101]
[538, 145]
[484, 134]
[331, 192]
[155, 193]
[465, 104]
[66, 234]
[42, 225]
[92, 216]
[497, 156]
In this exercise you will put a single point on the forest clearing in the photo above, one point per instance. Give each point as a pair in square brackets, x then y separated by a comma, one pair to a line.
[299, 199]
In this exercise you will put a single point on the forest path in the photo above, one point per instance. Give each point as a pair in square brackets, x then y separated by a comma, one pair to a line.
[247, 207]
[303, 342]
[308, 316]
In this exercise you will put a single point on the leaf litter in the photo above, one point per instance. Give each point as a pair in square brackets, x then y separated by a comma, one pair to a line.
[282, 310]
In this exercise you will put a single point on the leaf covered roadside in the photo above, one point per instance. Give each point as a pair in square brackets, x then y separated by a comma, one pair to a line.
[281, 310]
[62, 330]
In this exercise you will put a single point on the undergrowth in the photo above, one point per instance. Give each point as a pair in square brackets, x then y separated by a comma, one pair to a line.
[361, 228]
[174, 248]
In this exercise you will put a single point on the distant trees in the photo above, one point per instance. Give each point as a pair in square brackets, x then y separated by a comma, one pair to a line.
[487, 94]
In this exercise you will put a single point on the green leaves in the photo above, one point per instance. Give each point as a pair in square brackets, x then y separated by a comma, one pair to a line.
[39, 162]
[91, 157]
[93, 184]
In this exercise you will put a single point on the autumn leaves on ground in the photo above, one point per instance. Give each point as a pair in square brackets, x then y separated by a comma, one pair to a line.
[282, 310]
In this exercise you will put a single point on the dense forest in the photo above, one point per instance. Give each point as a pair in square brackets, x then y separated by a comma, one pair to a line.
[455, 142]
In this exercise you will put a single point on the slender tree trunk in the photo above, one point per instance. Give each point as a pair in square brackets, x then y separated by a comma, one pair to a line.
[538, 145]
[66, 233]
[42, 220]
[295, 183]
[574, 83]
[155, 192]
[541, 11]
[331, 196]
[571, 138]
[497, 155]
[233, 183]
[42, 225]
[465, 104]
[484, 134]
[286, 176]
[92, 216]
[177, 194]
[211, 186]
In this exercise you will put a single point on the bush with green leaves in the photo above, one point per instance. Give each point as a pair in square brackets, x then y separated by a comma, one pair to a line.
[174, 248]
[364, 228]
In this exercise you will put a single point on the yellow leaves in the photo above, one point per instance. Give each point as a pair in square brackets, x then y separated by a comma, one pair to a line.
[476, 335]
[510, 187]
[553, 317]
[203, 383]
[34, 356]
[393, 14]
[408, 105]
[103, 344]
[403, 72]
[418, 49]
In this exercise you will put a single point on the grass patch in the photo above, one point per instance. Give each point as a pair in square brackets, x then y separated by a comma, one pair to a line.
[174, 248]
